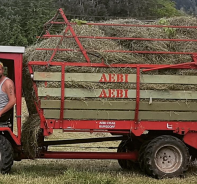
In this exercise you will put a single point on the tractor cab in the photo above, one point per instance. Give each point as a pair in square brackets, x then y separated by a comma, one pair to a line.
[12, 59]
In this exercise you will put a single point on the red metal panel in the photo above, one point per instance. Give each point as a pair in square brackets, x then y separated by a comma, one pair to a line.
[191, 139]
[115, 125]
[91, 124]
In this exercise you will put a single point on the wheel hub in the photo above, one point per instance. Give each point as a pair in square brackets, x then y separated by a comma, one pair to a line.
[165, 158]
[168, 158]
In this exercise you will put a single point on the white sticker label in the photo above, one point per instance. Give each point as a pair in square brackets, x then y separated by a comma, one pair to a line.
[104, 124]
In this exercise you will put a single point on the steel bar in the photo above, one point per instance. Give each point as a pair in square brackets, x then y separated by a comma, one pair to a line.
[124, 51]
[59, 63]
[123, 38]
[89, 155]
[78, 141]
[170, 66]
[130, 25]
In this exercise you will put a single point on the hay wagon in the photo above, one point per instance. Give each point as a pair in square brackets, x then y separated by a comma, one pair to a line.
[156, 125]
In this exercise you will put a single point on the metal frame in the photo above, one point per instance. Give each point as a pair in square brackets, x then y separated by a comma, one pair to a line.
[17, 59]
[135, 127]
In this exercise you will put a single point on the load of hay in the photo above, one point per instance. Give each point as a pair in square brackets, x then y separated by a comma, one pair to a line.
[30, 134]
[96, 52]
[96, 47]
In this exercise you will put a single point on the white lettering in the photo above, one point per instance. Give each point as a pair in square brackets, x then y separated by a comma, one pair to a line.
[169, 126]
[109, 124]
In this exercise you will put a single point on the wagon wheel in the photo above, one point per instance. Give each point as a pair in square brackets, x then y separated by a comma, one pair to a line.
[126, 146]
[141, 155]
[166, 157]
[6, 155]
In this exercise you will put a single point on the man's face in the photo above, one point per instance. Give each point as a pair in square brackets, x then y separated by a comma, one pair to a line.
[1, 71]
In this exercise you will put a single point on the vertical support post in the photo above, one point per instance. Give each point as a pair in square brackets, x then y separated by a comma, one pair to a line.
[37, 102]
[62, 92]
[18, 84]
[137, 95]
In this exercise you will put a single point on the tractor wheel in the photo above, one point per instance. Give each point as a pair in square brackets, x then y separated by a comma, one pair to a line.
[141, 155]
[166, 157]
[6, 155]
[124, 147]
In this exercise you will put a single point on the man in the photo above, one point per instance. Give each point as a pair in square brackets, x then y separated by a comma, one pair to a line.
[7, 95]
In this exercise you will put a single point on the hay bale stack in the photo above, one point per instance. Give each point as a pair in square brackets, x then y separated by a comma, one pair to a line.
[30, 133]
[142, 32]
[95, 48]
[28, 91]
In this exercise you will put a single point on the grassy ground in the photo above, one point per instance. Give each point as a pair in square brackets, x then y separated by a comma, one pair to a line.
[83, 171]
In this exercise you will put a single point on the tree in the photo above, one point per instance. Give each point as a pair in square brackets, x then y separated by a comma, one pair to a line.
[21, 20]
[165, 8]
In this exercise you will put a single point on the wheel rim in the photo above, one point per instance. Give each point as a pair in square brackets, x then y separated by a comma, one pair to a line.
[168, 158]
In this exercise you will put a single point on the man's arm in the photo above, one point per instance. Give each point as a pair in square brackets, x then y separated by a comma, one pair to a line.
[9, 90]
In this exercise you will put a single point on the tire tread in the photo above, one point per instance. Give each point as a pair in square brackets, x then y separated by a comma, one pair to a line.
[150, 170]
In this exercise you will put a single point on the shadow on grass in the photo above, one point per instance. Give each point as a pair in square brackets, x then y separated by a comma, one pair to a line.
[51, 168]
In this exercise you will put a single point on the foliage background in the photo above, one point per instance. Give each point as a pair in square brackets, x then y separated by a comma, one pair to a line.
[22, 20]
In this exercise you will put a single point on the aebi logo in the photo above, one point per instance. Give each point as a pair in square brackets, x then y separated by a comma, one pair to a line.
[114, 78]
[114, 93]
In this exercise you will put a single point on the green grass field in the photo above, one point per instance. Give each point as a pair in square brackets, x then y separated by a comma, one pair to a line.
[83, 171]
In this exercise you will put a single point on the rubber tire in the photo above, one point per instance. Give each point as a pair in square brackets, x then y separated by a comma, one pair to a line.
[125, 164]
[149, 162]
[141, 156]
[6, 155]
